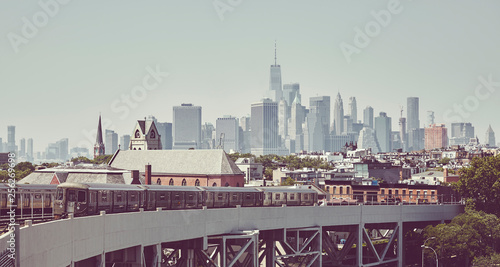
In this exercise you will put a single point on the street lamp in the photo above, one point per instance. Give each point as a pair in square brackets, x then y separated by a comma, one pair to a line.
[437, 263]
[423, 246]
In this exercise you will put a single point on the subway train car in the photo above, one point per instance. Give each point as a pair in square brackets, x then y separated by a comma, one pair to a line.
[81, 199]
[28, 201]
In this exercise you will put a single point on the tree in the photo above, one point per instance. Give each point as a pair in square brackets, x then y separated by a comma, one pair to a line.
[480, 184]
[103, 159]
[444, 161]
[288, 181]
[81, 159]
[487, 261]
[469, 235]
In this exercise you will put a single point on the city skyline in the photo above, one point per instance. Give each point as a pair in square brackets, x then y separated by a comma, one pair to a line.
[222, 65]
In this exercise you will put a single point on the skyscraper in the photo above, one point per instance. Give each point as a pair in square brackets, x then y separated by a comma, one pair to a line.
[368, 117]
[63, 148]
[436, 136]
[353, 109]
[412, 113]
[29, 151]
[283, 116]
[11, 139]
[99, 148]
[461, 133]
[186, 127]
[22, 148]
[275, 92]
[265, 129]
[490, 137]
[321, 106]
[124, 142]
[338, 115]
[297, 117]
[111, 143]
[228, 133]
[290, 91]
[430, 117]
[383, 129]
[368, 140]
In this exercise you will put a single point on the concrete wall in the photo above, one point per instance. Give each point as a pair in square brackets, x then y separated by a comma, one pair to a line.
[57, 243]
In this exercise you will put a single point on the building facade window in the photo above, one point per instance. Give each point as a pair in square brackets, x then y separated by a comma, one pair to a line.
[171, 182]
[184, 183]
[197, 182]
[158, 181]
[214, 184]
[227, 184]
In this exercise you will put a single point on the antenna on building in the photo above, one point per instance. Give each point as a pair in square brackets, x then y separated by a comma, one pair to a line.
[275, 52]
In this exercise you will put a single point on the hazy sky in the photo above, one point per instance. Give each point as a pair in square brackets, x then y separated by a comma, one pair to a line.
[62, 64]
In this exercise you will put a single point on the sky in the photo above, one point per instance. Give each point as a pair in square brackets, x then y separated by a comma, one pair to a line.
[62, 63]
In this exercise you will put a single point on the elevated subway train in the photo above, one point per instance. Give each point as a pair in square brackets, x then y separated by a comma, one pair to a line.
[81, 199]
[26, 201]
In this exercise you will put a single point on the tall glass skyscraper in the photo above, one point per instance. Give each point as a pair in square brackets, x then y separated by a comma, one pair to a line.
[412, 112]
[338, 115]
[265, 129]
[368, 117]
[275, 92]
[186, 126]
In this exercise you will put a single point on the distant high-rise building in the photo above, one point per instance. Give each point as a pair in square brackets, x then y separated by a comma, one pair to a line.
[99, 148]
[352, 108]
[321, 105]
[245, 135]
[11, 139]
[22, 147]
[186, 126]
[412, 113]
[297, 118]
[368, 140]
[430, 117]
[124, 142]
[348, 124]
[383, 129]
[490, 137]
[165, 131]
[245, 123]
[402, 134]
[228, 134]
[265, 129]
[461, 133]
[412, 122]
[29, 151]
[368, 117]
[338, 115]
[283, 115]
[208, 136]
[290, 91]
[1, 145]
[145, 136]
[63, 148]
[314, 137]
[436, 136]
[275, 92]
[111, 142]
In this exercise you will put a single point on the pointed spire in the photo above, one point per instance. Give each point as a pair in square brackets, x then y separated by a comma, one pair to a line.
[98, 139]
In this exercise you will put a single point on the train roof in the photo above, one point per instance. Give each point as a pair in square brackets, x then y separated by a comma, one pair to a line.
[291, 189]
[96, 186]
[231, 189]
[171, 188]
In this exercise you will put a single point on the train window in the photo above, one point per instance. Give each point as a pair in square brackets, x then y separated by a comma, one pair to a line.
[235, 196]
[220, 196]
[190, 196]
[132, 196]
[81, 196]
[4, 200]
[104, 196]
[38, 196]
[119, 197]
[177, 196]
[277, 196]
[306, 196]
[71, 195]
[248, 196]
[26, 200]
[292, 196]
[162, 196]
[59, 194]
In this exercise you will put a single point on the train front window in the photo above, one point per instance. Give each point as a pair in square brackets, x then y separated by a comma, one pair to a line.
[71, 195]
[81, 196]
[59, 194]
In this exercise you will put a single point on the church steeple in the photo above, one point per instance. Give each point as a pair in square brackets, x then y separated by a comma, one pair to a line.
[99, 144]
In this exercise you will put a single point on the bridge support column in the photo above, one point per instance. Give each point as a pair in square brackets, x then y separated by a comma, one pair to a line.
[400, 243]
